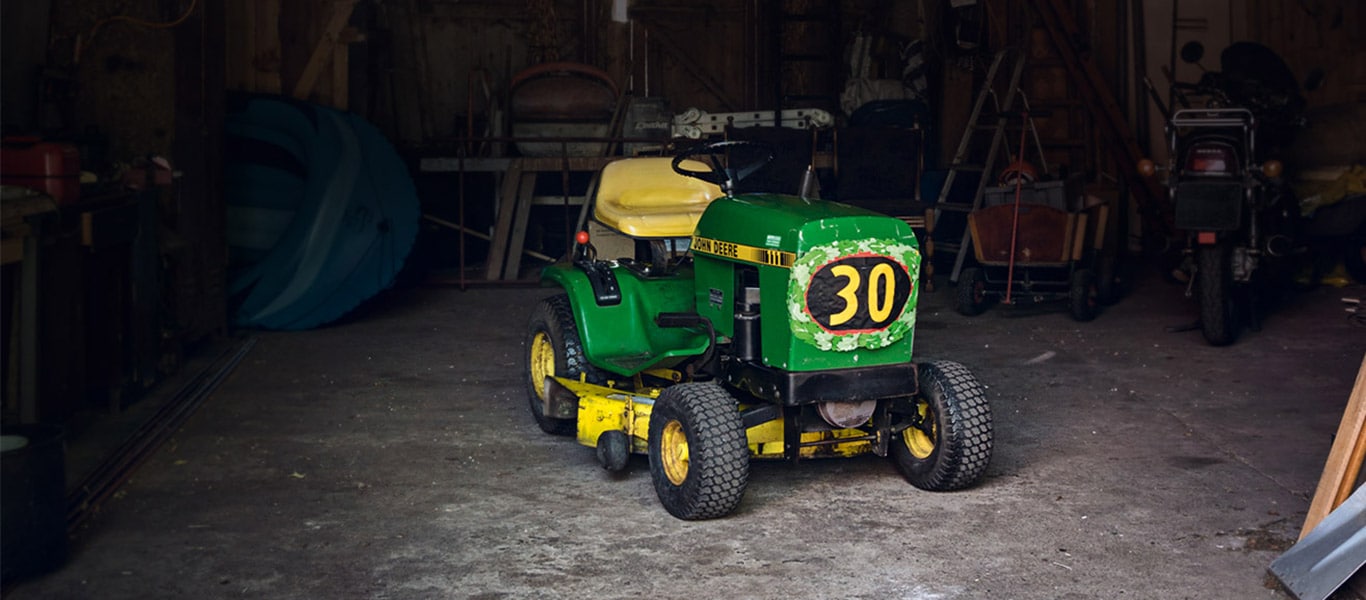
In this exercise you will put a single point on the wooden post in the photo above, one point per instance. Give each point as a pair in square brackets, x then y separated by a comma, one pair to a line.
[265, 47]
[341, 13]
[1344, 460]
[502, 230]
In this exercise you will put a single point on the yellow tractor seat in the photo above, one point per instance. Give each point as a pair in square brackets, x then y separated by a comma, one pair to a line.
[645, 198]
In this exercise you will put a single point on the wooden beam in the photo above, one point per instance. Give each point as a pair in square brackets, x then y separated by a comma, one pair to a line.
[1344, 460]
[341, 13]
[484, 236]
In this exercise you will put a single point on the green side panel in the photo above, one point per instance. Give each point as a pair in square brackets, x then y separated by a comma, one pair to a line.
[716, 293]
[623, 338]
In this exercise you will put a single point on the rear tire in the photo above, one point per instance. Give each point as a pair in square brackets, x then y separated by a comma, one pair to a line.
[949, 443]
[972, 292]
[1354, 259]
[553, 349]
[699, 457]
[1218, 311]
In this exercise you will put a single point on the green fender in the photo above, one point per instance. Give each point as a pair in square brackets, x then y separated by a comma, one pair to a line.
[623, 338]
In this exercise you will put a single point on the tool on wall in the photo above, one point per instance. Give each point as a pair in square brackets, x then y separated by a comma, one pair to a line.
[695, 123]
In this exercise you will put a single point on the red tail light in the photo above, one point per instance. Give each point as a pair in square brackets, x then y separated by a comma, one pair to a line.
[1211, 159]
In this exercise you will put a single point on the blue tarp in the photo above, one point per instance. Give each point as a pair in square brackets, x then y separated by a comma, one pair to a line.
[322, 212]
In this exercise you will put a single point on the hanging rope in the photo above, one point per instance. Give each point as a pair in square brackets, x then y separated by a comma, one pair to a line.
[83, 41]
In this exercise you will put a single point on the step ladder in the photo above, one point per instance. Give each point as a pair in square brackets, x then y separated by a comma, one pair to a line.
[1003, 91]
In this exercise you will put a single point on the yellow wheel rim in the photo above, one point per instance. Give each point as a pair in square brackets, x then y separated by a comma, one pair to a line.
[542, 362]
[920, 443]
[673, 452]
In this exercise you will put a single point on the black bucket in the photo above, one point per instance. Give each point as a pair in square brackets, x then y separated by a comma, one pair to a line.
[33, 499]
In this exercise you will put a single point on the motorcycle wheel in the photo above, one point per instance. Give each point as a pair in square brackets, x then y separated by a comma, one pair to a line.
[1218, 311]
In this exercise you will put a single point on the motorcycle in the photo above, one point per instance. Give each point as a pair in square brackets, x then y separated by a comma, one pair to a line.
[1224, 179]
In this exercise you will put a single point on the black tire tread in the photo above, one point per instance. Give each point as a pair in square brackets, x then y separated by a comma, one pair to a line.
[966, 434]
[1218, 320]
[718, 451]
[555, 316]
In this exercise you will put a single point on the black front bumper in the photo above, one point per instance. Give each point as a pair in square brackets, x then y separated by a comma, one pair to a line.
[796, 388]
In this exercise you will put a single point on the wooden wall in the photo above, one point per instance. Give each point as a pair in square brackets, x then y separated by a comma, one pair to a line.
[428, 70]
[1317, 34]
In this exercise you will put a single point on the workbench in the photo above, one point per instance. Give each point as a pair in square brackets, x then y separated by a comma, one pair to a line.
[514, 198]
[24, 215]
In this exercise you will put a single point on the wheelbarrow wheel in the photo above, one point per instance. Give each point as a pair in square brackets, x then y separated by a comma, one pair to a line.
[1083, 295]
[972, 292]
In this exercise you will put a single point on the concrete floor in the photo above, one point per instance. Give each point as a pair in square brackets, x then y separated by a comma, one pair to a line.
[393, 457]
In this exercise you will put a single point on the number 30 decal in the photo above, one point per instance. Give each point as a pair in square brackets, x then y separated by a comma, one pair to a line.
[859, 293]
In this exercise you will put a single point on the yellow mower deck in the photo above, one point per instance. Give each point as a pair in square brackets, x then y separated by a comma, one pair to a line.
[602, 409]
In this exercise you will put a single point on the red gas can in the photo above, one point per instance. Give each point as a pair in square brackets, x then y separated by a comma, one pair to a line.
[49, 167]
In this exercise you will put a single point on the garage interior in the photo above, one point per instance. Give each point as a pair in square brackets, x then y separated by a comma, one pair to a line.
[201, 397]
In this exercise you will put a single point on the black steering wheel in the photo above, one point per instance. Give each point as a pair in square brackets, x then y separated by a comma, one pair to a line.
[731, 161]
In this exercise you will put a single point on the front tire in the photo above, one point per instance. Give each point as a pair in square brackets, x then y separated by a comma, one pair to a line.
[553, 349]
[699, 458]
[949, 443]
[1218, 311]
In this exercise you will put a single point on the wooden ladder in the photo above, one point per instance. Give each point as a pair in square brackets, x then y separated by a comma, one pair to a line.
[1099, 101]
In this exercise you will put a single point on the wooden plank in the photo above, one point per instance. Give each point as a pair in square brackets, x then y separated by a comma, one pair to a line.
[341, 13]
[512, 266]
[1344, 460]
[502, 230]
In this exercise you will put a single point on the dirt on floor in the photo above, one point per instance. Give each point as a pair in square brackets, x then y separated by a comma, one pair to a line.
[392, 456]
